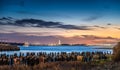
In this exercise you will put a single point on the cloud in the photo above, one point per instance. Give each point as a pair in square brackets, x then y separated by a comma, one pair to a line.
[92, 18]
[4, 18]
[84, 39]
[109, 24]
[118, 28]
[40, 24]
[74, 27]
[96, 37]
[99, 26]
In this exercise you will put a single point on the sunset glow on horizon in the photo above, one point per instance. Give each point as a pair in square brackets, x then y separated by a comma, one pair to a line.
[73, 21]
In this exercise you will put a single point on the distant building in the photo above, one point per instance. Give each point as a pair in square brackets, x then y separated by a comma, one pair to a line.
[26, 44]
[59, 42]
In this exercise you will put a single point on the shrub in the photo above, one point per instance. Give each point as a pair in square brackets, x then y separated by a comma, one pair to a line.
[116, 52]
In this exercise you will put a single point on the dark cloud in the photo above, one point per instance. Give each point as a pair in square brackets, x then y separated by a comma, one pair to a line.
[74, 27]
[91, 18]
[117, 28]
[40, 23]
[99, 26]
[36, 23]
[4, 18]
[109, 24]
[97, 37]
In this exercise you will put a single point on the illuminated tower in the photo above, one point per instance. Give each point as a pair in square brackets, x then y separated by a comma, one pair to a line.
[59, 42]
[26, 44]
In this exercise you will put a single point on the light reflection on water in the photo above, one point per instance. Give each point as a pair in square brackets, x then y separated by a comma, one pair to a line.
[49, 49]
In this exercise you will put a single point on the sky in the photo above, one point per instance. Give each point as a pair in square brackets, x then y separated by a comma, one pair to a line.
[71, 21]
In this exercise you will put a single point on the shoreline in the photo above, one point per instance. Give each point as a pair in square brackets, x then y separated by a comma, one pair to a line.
[102, 48]
[7, 47]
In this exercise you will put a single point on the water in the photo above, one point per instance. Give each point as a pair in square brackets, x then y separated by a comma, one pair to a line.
[49, 49]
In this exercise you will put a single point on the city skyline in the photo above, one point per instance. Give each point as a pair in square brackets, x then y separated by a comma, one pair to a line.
[71, 21]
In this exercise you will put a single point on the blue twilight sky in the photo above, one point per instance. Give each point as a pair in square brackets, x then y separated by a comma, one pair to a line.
[77, 12]
[71, 21]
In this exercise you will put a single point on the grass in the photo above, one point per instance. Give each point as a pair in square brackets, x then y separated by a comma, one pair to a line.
[72, 65]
